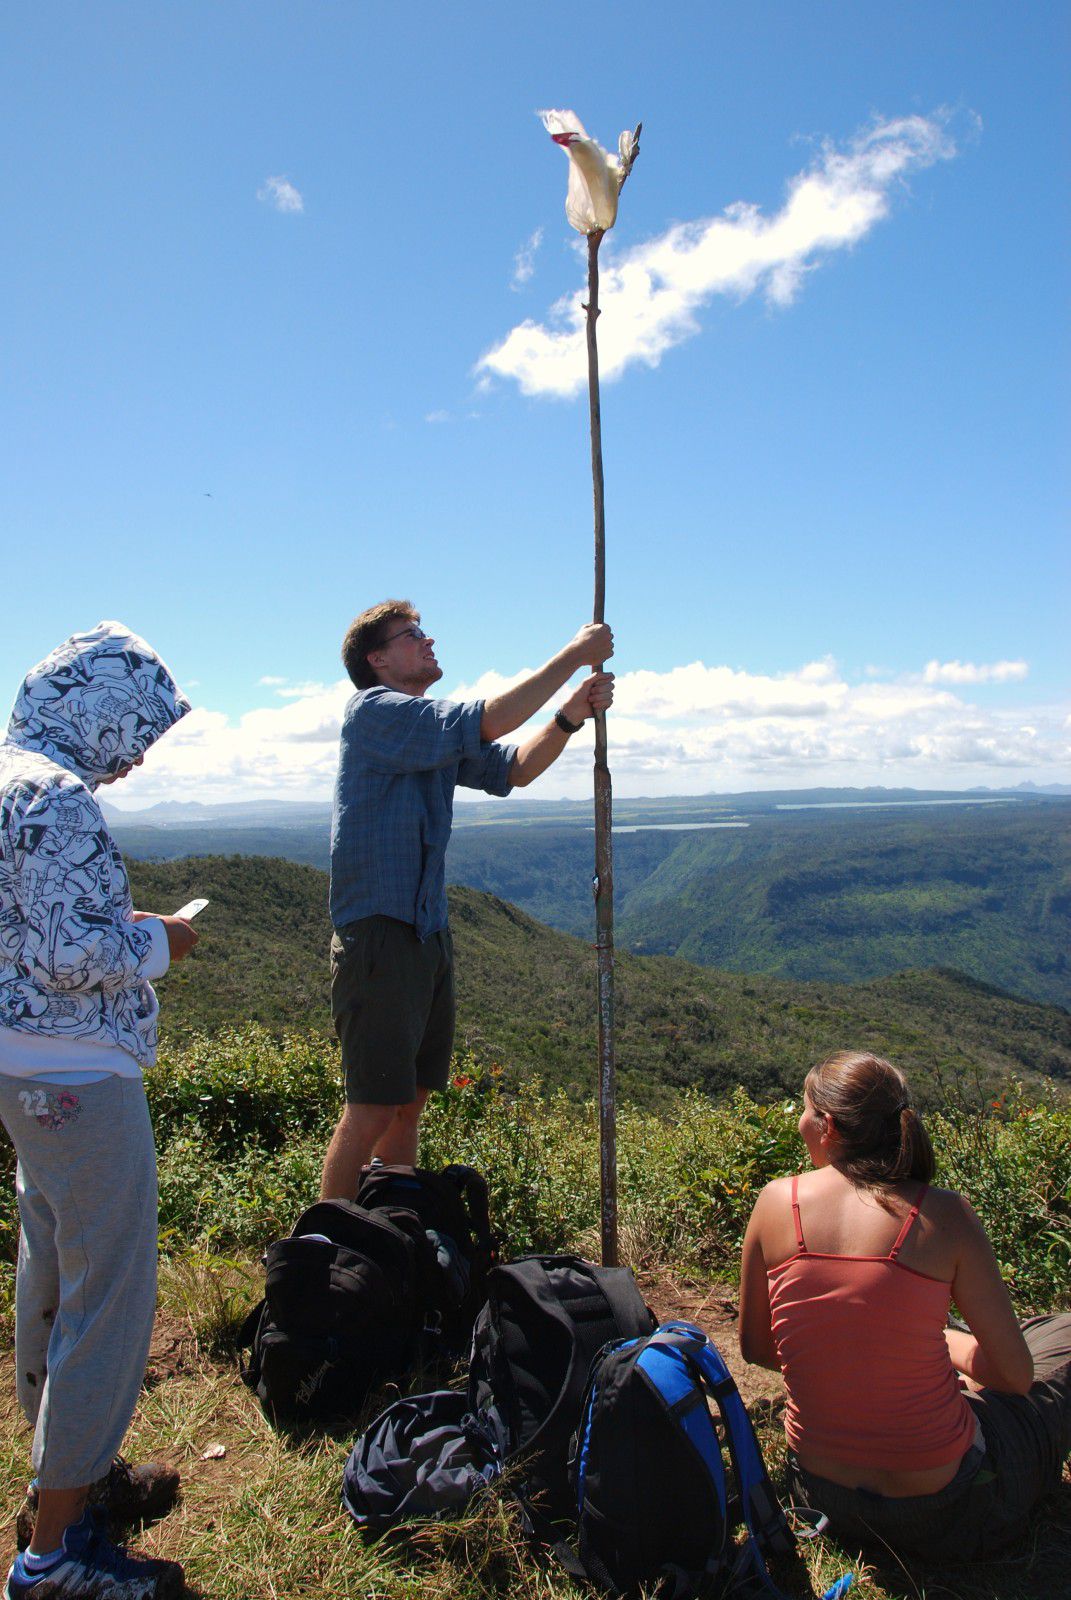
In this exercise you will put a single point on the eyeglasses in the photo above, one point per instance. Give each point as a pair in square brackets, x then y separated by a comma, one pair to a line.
[414, 633]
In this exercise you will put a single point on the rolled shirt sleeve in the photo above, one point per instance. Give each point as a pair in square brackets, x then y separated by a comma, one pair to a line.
[489, 770]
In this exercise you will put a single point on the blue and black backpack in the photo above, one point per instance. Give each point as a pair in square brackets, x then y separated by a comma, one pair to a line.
[654, 1508]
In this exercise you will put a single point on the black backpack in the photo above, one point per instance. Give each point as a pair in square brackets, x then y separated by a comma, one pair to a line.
[649, 1481]
[453, 1210]
[343, 1309]
[545, 1319]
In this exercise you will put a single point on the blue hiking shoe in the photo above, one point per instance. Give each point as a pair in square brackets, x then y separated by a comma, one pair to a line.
[92, 1568]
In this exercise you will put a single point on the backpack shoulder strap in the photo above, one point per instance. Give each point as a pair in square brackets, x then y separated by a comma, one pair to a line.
[619, 1287]
[472, 1186]
[674, 1380]
[246, 1339]
[767, 1528]
[568, 1303]
[672, 1377]
[573, 1305]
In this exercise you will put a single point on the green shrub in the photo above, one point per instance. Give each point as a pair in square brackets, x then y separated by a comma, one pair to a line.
[240, 1202]
[539, 1153]
[242, 1121]
[241, 1083]
[1014, 1165]
[688, 1184]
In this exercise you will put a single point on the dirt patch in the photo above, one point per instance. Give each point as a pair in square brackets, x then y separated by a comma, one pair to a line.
[715, 1310]
[173, 1350]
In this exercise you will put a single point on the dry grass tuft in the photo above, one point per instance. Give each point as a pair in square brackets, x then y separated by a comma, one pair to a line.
[211, 1293]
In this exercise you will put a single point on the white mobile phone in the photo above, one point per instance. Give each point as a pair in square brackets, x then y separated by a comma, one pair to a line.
[192, 908]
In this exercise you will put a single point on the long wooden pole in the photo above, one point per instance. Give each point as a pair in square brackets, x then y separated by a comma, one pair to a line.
[604, 850]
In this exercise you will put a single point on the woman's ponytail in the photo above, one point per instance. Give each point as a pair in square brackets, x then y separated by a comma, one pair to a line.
[880, 1135]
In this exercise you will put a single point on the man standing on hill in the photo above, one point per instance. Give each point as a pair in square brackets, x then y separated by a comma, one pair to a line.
[402, 754]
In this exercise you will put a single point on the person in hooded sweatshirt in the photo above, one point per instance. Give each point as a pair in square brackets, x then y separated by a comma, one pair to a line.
[77, 1026]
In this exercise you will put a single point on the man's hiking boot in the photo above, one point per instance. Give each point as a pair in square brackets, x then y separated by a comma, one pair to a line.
[92, 1568]
[128, 1496]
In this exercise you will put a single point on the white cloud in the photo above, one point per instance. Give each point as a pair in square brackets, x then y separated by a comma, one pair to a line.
[281, 193]
[652, 293]
[524, 260]
[696, 728]
[699, 690]
[437, 416]
[488, 684]
[303, 691]
[290, 691]
[288, 752]
[688, 730]
[966, 672]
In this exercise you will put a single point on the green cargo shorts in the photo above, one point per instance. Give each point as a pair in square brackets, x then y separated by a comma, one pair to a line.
[392, 1003]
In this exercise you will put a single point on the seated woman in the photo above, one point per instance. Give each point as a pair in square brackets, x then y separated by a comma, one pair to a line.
[903, 1431]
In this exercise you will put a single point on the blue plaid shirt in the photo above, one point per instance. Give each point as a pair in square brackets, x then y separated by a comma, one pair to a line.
[401, 757]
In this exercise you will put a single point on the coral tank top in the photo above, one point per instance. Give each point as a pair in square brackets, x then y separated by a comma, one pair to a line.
[861, 1344]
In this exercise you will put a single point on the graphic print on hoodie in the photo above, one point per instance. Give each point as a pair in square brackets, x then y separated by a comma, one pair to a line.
[72, 960]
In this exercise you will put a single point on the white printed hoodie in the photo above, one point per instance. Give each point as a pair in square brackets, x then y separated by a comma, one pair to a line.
[74, 966]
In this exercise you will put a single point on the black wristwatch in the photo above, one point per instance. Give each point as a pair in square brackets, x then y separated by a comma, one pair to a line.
[564, 724]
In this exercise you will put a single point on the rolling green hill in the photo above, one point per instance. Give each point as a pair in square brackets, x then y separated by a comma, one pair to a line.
[817, 894]
[836, 894]
[526, 996]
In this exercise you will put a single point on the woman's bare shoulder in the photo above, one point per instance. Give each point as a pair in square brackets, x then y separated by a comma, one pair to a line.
[948, 1209]
[778, 1191]
[773, 1198]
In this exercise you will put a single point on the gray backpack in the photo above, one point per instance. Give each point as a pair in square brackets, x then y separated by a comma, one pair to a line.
[425, 1457]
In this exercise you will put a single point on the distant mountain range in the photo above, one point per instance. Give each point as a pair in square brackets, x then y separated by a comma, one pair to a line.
[299, 813]
[823, 885]
[526, 998]
[239, 813]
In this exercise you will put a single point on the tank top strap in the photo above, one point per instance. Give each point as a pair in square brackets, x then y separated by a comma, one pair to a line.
[909, 1223]
[800, 1246]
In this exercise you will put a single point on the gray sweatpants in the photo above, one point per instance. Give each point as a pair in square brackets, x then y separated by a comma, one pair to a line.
[85, 1293]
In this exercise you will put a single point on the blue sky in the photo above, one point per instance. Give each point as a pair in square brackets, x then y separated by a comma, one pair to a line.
[259, 260]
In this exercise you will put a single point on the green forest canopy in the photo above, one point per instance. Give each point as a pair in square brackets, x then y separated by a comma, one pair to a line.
[526, 997]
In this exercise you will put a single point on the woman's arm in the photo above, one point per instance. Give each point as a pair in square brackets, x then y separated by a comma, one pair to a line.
[754, 1332]
[994, 1353]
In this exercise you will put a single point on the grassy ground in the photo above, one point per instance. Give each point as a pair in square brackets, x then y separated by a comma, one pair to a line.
[261, 1520]
[241, 1123]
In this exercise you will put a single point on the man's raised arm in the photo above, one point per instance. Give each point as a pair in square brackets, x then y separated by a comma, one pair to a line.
[592, 645]
[536, 754]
